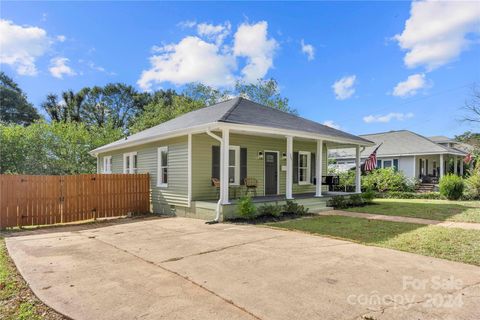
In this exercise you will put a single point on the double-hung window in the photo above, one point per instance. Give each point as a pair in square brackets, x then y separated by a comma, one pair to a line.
[107, 164]
[162, 161]
[130, 162]
[234, 165]
[304, 167]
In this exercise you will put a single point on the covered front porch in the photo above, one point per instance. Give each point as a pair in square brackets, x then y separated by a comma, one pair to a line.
[431, 168]
[269, 165]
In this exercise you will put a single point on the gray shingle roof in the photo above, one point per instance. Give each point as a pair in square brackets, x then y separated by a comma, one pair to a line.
[239, 111]
[402, 142]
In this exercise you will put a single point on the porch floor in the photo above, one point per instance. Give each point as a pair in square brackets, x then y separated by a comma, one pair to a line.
[281, 197]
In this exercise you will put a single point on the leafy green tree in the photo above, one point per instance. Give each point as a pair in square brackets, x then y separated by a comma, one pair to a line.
[265, 92]
[52, 148]
[205, 94]
[14, 107]
[160, 110]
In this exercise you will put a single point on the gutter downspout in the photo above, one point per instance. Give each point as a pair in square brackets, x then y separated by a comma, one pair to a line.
[217, 210]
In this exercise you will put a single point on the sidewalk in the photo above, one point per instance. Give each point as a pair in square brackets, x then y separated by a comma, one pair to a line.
[446, 224]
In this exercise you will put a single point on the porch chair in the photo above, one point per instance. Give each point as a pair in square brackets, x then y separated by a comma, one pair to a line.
[251, 185]
[216, 184]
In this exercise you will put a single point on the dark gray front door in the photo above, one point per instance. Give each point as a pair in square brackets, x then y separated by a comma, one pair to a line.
[271, 172]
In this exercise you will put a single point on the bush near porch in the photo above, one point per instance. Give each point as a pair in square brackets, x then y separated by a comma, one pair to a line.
[269, 211]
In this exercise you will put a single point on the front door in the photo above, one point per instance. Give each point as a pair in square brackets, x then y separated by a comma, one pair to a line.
[271, 173]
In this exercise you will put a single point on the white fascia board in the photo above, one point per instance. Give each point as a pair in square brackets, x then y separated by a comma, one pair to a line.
[294, 133]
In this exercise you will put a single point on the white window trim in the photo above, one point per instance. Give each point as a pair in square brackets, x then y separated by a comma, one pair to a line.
[309, 168]
[236, 181]
[107, 164]
[129, 154]
[160, 166]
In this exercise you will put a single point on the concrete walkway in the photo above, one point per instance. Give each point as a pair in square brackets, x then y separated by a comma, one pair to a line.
[180, 268]
[446, 224]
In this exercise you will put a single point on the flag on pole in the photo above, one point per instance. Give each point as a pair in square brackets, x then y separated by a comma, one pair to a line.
[371, 163]
[468, 158]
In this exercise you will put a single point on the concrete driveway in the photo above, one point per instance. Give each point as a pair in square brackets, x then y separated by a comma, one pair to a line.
[180, 268]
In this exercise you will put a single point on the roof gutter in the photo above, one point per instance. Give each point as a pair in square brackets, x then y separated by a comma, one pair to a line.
[217, 210]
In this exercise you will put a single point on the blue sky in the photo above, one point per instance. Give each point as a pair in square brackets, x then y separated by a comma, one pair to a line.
[396, 65]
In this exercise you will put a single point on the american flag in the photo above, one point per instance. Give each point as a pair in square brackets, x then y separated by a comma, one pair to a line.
[371, 163]
[468, 158]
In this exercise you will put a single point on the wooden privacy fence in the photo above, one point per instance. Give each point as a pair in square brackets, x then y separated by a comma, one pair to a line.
[37, 200]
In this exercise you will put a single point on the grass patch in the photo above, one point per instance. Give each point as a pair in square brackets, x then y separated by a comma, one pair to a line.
[442, 210]
[17, 302]
[447, 243]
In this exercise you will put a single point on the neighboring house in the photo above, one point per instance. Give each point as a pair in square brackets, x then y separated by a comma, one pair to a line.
[415, 155]
[282, 153]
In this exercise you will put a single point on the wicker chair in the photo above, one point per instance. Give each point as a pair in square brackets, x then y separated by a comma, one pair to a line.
[216, 184]
[251, 185]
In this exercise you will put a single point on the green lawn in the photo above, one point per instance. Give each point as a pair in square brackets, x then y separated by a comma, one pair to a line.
[462, 211]
[447, 243]
[17, 302]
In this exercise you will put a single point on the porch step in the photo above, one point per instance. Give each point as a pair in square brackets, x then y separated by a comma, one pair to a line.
[426, 187]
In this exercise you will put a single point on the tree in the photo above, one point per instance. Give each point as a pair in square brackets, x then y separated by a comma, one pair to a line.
[14, 107]
[160, 110]
[115, 104]
[52, 148]
[205, 94]
[265, 92]
[472, 106]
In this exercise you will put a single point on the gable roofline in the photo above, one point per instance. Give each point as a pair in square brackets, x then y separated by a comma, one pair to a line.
[236, 111]
[417, 134]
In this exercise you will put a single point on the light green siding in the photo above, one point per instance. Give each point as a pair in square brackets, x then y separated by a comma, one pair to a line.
[177, 191]
[202, 162]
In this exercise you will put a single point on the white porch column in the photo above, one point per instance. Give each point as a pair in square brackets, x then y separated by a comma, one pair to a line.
[358, 186]
[442, 168]
[461, 167]
[455, 165]
[289, 178]
[224, 160]
[319, 167]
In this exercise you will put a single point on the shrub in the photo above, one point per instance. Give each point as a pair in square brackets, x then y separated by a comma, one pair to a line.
[356, 200]
[246, 208]
[386, 180]
[472, 186]
[368, 196]
[294, 208]
[409, 195]
[269, 210]
[338, 202]
[451, 187]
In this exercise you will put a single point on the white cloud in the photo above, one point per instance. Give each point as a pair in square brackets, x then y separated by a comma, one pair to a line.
[21, 46]
[191, 60]
[309, 50]
[214, 32]
[410, 86]
[61, 38]
[251, 41]
[436, 32]
[205, 58]
[343, 88]
[388, 117]
[331, 124]
[59, 68]
[187, 24]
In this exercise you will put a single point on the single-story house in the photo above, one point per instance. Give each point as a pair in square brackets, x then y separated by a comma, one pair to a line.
[416, 156]
[224, 150]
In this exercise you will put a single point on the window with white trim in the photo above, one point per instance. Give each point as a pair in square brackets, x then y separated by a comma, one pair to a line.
[234, 165]
[130, 162]
[304, 167]
[107, 164]
[162, 170]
